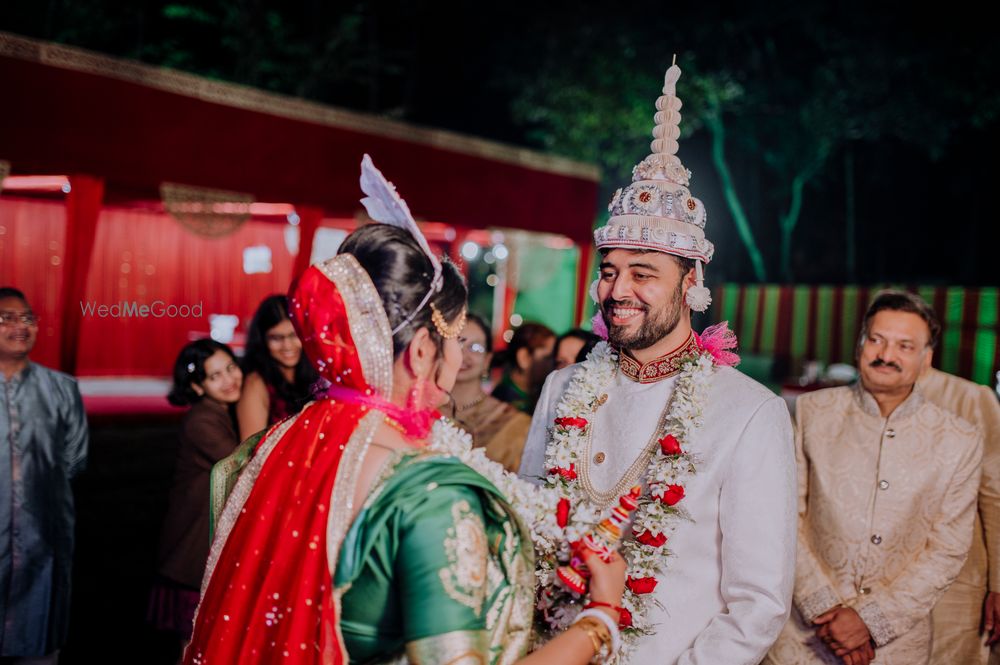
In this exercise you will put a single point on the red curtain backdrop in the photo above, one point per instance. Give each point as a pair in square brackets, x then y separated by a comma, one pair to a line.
[32, 259]
[83, 207]
[148, 257]
[309, 220]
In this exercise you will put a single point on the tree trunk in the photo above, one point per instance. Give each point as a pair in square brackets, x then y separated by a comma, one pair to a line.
[790, 219]
[788, 222]
[715, 126]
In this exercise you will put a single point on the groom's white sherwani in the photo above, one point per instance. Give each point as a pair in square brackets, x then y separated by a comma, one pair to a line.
[727, 590]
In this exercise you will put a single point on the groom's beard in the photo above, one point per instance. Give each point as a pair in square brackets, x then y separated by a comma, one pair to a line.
[657, 322]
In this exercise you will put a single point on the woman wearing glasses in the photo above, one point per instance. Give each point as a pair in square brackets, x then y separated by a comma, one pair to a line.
[279, 378]
[495, 425]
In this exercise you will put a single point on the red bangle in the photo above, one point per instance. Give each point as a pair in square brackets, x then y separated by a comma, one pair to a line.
[597, 603]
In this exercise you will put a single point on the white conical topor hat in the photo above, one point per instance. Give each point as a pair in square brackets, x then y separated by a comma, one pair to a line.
[656, 211]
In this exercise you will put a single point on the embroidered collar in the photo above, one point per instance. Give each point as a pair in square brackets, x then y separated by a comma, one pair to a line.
[660, 368]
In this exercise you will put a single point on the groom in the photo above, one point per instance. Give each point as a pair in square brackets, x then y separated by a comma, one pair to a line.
[724, 582]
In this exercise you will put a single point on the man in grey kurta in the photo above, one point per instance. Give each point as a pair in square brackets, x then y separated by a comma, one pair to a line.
[43, 444]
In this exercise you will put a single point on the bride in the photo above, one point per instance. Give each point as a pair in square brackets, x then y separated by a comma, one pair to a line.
[349, 536]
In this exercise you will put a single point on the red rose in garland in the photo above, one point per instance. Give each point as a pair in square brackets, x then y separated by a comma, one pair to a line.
[641, 585]
[672, 494]
[568, 474]
[572, 422]
[624, 618]
[562, 513]
[670, 446]
[646, 538]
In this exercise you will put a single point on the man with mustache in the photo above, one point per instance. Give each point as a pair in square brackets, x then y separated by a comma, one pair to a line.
[887, 498]
[723, 583]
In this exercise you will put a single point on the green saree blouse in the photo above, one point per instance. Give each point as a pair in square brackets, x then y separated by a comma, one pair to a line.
[436, 568]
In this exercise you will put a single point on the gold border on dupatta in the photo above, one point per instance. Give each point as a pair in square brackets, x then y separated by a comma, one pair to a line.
[342, 504]
[372, 337]
[366, 318]
[241, 491]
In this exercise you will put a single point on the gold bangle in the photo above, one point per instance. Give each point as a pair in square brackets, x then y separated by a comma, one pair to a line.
[598, 633]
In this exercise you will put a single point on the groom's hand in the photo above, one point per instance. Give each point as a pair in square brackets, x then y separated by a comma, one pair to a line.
[842, 630]
[860, 656]
[991, 617]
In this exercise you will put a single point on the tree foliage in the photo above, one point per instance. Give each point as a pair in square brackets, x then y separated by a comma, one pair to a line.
[779, 97]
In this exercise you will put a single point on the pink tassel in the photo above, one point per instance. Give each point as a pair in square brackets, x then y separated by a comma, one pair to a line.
[717, 340]
[599, 327]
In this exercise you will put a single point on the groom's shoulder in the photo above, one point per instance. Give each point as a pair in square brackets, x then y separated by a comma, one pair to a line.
[735, 388]
[737, 400]
[557, 380]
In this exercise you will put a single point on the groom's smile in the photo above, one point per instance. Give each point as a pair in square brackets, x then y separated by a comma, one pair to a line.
[624, 314]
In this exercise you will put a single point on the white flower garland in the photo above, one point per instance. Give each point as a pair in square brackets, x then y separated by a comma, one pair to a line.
[536, 506]
[671, 466]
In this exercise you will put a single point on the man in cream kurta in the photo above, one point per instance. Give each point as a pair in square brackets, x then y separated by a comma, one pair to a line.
[965, 607]
[887, 493]
[724, 593]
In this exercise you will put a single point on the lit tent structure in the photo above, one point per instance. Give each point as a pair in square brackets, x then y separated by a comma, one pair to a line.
[127, 183]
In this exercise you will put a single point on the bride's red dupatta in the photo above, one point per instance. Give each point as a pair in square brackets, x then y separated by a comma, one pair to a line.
[267, 593]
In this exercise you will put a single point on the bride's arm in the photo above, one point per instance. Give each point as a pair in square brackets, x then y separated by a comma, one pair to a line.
[575, 646]
[440, 571]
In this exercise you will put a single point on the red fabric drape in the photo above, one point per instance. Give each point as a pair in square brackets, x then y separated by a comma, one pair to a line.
[147, 257]
[32, 259]
[83, 207]
[269, 598]
[309, 220]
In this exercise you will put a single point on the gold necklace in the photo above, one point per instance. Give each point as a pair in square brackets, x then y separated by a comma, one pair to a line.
[633, 473]
[474, 403]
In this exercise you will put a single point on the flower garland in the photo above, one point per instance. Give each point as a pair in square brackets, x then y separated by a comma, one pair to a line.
[671, 466]
[535, 506]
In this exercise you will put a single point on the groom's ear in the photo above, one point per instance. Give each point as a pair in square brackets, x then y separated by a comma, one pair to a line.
[688, 279]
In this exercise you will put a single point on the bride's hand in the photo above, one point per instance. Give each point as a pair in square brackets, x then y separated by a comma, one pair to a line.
[607, 579]
[607, 584]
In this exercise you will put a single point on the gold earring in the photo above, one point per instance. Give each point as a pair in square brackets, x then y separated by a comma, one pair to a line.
[446, 330]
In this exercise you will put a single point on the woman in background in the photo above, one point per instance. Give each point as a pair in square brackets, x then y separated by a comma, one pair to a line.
[207, 378]
[527, 360]
[279, 378]
[495, 425]
[573, 347]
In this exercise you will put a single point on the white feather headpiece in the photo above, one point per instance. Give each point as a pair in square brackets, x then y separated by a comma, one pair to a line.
[385, 205]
